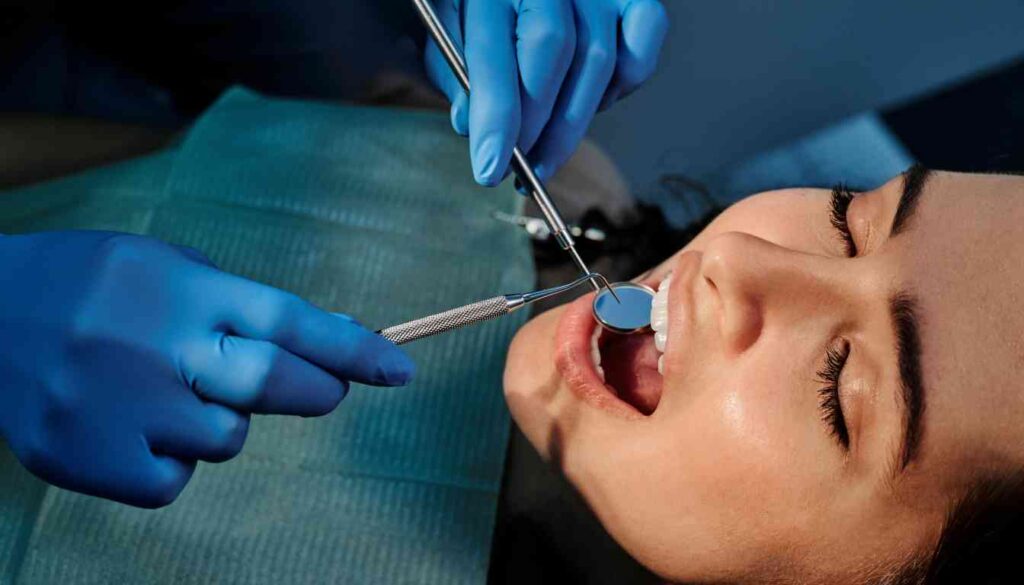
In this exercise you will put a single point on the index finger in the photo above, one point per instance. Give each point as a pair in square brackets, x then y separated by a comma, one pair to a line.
[334, 343]
[546, 42]
[494, 106]
[642, 30]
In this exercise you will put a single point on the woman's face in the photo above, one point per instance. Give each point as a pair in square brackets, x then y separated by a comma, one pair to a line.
[825, 396]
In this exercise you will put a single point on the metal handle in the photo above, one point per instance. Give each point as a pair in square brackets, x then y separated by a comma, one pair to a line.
[446, 321]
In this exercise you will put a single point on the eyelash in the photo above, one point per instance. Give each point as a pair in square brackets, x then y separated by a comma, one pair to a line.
[835, 357]
[838, 206]
[828, 395]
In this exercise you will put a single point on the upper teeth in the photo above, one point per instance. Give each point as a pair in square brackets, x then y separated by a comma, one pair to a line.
[659, 320]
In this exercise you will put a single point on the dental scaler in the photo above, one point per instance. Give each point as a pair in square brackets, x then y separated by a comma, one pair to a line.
[521, 167]
[627, 312]
[479, 311]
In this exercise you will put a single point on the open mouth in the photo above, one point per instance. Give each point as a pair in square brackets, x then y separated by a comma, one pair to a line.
[620, 373]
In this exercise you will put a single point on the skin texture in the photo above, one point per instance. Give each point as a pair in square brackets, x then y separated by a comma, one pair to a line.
[734, 476]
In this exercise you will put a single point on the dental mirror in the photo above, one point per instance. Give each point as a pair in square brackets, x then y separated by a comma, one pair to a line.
[631, 315]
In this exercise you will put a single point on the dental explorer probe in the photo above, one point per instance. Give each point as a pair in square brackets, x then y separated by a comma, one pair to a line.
[475, 312]
[521, 167]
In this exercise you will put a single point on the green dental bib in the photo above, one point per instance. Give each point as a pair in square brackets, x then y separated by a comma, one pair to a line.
[368, 211]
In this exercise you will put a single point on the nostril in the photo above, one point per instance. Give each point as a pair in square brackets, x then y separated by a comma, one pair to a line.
[742, 324]
[711, 283]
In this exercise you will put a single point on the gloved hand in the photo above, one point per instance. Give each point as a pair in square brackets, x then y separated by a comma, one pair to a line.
[539, 71]
[124, 360]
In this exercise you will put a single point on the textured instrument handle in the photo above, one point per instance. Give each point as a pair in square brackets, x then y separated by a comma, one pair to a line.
[446, 321]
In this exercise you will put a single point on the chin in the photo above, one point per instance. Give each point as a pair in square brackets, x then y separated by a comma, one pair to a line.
[531, 380]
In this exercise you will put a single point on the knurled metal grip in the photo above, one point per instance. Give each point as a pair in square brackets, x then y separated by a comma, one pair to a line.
[446, 321]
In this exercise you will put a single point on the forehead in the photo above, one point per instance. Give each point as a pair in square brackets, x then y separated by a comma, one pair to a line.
[962, 256]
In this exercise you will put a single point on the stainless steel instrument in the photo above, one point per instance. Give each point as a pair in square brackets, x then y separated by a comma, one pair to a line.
[521, 167]
[475, 312]
[627, 312]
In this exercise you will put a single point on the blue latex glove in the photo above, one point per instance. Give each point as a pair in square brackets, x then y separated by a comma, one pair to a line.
[124, 360]
[540, 70]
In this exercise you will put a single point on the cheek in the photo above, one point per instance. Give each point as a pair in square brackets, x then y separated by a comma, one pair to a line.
[757, 426]
[734, 472]
[747, 408]
[734, 437]
[700, 498]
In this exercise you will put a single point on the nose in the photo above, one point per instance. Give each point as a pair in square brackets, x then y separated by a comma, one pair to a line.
[760, 283]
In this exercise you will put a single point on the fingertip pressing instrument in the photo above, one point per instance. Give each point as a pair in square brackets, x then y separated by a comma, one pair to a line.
[630, 311]
[521, 167]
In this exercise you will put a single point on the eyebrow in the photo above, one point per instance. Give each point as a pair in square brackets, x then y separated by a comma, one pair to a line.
[914, 179]
[906, 330]
[903, 311]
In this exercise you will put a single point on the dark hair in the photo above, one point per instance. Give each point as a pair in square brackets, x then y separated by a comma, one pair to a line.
[982, 542]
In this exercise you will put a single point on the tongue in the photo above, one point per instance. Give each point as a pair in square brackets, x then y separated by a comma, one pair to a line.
[630, 365]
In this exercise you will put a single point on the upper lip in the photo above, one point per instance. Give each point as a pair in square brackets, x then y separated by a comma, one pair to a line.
[682, 304]
[573, 361]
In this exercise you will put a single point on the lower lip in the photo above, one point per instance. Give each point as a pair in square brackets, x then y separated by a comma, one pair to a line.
[572, 359]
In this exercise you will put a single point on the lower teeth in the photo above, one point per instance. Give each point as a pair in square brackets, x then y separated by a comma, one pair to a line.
[595, 352]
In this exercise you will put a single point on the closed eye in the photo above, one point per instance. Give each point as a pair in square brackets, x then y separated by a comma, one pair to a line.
[839, 204]
[828, 395]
